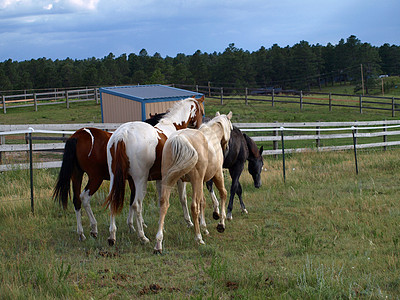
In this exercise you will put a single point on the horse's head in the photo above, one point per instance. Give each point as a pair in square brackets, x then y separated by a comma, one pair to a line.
[226, 124]
[256, 160]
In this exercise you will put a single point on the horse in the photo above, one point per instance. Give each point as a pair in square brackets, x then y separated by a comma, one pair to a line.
[134, 153]
[86, 152]
[195, 156]
[241, 148]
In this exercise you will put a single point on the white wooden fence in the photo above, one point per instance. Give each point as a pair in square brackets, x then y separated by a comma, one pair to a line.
[260, 132]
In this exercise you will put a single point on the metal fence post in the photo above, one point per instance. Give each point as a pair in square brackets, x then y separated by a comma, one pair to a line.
[246, 92]
[318, 140]
[222, 96]
[283, 155]
[31, 168]
[66, 98]
[355, 147]
[384, 136]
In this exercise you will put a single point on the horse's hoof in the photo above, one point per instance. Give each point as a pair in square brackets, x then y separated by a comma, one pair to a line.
[157, 251]
[215, 215]
[244, 211]
[94, 234]
[220, 228]
[205, 232]
[82, 237]
[190, 224]
[229, 216]
[111, 242]
[131, 229]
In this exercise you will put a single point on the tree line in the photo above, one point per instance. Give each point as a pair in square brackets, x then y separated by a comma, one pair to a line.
[300, 66]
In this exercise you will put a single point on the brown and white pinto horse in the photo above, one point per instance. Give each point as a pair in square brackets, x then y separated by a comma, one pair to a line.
[195, 156]
[84, 152]
[134, 153]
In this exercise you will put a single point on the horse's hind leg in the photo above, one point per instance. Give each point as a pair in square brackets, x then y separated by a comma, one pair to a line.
[129, 220]
[214, 199]
[183, 199]
[140, 193]
[219, 183]
[91, 188]
[239, 193]
[76, 179]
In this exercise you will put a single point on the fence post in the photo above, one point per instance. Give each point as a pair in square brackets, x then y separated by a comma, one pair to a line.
[330, 101]
[31, 169]
[275, 143]
[66, 98]
[246, 93]
[355, 147]
[384, 136]
[197, 88]
[360, 104]
[209, 89]
[35, 101]
[318, 140]
[4, 104]
[393, 107]
[2, 141]
[301, 100]
[273, 97]
[222, 95]
[283, 155]
[96, 96]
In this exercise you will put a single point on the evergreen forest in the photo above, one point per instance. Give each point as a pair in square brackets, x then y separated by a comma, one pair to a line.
[301, 66]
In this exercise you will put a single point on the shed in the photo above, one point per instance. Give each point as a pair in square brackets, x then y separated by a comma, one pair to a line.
[135, 103]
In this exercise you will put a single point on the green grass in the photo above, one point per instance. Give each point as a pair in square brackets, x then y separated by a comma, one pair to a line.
[325, 233]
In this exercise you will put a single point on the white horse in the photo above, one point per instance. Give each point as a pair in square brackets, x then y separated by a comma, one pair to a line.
[134, 153]
[195, 156]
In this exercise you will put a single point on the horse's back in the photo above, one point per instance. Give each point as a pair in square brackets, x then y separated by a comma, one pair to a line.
[237, 151]
[91, 150]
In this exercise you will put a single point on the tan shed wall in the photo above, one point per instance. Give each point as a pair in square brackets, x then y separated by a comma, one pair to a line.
[158, 107]
[120, 110]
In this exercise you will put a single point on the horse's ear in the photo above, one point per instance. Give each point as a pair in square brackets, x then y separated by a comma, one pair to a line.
[217, 114]
[261, 150]
[201, 100]
[229, 116]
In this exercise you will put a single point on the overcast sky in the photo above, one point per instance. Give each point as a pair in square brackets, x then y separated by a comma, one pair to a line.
[79, 29]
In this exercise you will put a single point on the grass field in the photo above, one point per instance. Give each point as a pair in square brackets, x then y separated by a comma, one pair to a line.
[324, 234]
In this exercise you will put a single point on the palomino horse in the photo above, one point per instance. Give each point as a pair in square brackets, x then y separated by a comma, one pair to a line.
[86, 152]
[195, 156]
[134, 152]
[241, 148]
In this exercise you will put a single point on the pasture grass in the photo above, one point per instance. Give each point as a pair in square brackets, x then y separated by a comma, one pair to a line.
[325, 233]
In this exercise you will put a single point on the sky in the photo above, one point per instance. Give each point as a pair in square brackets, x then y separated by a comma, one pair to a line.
[80, 29]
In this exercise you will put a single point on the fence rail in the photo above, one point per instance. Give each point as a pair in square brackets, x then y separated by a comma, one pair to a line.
[56, 96]
[301, 98]
[260, 132]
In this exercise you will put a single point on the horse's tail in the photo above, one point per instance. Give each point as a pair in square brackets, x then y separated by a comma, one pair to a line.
[183, 157]
[119, 168]
[69, 162]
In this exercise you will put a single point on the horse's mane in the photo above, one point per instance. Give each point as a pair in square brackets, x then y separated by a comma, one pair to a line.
[154, 119]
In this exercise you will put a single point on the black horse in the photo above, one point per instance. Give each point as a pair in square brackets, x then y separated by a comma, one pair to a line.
[241, 148]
